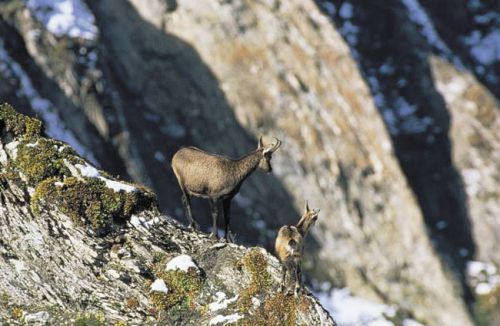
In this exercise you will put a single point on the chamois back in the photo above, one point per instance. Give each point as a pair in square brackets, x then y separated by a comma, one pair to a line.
[289, 245]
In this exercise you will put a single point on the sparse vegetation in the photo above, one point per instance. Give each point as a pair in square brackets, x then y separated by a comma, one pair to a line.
[17, 313]
[255, 264]
[89, 200]
[183, 290]
[90, 319]
[487, 308]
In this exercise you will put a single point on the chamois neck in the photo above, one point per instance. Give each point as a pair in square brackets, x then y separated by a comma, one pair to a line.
[304, 225]
[247, 164]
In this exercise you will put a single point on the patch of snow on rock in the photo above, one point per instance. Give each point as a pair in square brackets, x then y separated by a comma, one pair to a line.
[225, 319]
[221, 302]
[181, 262]
[483, 277]
[65, 17]
[411, 322]
[38, 318]
[159, 286]
[12, 148]
[89, 171]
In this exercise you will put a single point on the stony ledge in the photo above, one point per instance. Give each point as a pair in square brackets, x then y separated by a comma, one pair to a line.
[79, 247]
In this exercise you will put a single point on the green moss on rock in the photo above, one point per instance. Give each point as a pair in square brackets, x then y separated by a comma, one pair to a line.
[19, 125]
[42, 159]
[90, 319]
[487, 308]
[183, 290]
[255, 264]
[279, 309]
[89, 201]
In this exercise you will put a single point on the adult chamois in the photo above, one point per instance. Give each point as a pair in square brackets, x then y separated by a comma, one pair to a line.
[217, 178]
[289, 248]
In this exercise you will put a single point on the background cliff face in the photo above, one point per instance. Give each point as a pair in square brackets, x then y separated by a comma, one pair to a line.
[388, 116]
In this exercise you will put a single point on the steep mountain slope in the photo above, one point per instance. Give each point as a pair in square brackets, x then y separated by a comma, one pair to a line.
[78, 246]
[133, 81]
[426, 75]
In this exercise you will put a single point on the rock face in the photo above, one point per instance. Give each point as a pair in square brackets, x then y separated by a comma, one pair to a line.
[340, 83]
[108, 255]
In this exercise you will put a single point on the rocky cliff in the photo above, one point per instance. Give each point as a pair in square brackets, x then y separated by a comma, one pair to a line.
[388, 119]
[80, 247]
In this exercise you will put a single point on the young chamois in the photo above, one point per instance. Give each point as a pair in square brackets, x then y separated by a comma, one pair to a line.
[289, 247]
[217, 178]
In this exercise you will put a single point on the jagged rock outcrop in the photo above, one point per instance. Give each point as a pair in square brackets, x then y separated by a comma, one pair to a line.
[78, 246]
[151, 76]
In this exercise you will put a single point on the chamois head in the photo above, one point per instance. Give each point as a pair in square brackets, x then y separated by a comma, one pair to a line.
[267, 153]
[308, 219]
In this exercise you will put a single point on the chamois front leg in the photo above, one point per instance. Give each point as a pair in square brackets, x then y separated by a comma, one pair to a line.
[187, 209]
[214, 208]
[227, 208]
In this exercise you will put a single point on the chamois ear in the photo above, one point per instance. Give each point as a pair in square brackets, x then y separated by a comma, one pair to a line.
[306, 207]
[260, 143]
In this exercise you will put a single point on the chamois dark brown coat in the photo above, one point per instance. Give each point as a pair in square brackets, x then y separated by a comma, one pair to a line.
[289, 248]
[217, 178]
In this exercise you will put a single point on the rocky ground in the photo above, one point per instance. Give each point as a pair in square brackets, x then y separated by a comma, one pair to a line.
[107, 256]
[388, 114]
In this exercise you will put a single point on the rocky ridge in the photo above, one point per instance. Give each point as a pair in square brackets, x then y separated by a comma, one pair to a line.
[107, 256]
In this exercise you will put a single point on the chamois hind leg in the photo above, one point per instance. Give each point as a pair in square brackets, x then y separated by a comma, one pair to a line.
[284, 271]
[214, 208]
[292, 272]
[187, 209]
[298, 279]
[227, 208]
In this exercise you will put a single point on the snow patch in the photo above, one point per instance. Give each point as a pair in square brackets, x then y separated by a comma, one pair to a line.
[142, 222]
[346, 11]
[487, 50]
[89, 171]
[221, 302]
[159, 286]
[65, 17]
[225, 319]
[483, 277]
[418, 15]
[472, 178]
[12, 148]
[350, 310]
[411, 322]
[181, 262]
